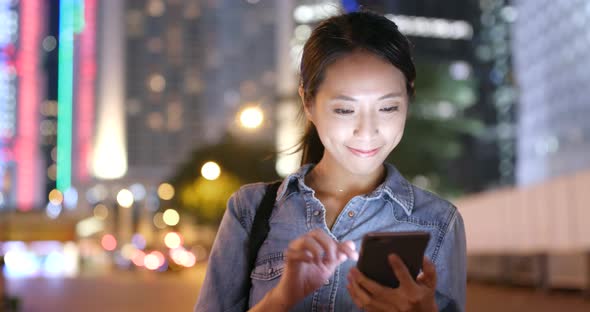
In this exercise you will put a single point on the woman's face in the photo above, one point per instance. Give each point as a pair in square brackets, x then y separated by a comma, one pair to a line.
[360, 112]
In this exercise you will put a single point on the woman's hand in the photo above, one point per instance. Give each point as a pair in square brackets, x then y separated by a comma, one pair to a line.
[409, 296]
[310, 261]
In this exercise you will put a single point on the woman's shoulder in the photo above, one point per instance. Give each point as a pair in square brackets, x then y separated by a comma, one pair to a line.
[432, 207]
[244, 202]
[250, 194]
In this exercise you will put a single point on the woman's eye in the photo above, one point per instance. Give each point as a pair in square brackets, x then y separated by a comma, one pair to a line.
[343, 111]
[390, 109]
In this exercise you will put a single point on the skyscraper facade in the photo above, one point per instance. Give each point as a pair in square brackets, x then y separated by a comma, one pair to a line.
[553, 128]
[191, 66]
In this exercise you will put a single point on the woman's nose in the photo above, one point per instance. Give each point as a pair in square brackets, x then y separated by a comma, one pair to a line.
[366, 126]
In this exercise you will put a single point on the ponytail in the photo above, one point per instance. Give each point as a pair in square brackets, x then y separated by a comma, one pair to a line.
[311, 145]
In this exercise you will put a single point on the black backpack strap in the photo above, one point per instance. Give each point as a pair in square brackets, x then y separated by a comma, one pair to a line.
[260, 225]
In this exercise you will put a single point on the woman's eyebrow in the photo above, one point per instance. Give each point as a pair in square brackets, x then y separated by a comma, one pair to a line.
[344, 98]
[391, 95]
[388, 96]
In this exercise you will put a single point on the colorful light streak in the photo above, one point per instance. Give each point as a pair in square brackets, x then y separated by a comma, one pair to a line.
[28, 71]
[85, 95]
[65, 94]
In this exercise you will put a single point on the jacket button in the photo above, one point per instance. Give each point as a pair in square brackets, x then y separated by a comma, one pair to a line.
[270, 271]
[316, 213]
[327, 282]
[351, 214]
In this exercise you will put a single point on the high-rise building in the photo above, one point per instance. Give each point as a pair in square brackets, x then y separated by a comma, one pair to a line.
[553, 77]
[190, 67]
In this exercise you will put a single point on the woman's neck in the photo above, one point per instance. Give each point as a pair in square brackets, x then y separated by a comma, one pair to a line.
[329, 178]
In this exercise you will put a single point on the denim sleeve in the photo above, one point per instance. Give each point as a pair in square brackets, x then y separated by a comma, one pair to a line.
[451, 267]
[226, 285]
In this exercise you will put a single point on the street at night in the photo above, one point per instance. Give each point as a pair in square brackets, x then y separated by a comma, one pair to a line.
[147, 291]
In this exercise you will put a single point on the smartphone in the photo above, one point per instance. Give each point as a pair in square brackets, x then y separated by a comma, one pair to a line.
[376, 247]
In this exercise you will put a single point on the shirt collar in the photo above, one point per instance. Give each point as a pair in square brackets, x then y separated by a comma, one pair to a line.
[395, 186]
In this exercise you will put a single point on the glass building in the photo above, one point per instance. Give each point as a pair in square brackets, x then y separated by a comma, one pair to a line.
[553, 77]
[191, 66]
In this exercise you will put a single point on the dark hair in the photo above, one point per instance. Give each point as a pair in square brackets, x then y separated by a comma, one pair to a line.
[342, 35]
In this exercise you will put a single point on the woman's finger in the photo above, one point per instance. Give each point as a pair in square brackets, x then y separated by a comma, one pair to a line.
[298, 255]
[401, 272]
[368, 301]
[306, 243]
[428, 275]
[328, 244]
[360, 297]
[349, 249]
[372, 287]
[355, 298]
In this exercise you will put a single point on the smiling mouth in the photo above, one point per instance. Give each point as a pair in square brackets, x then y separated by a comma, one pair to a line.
[364, 153]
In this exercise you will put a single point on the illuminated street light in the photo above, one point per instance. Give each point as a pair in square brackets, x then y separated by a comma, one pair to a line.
[173, 240]
[56, 197]
[125, 198]
[251, 117]
[166, 191]
[159, 221]
[210, 170]
[171, 217]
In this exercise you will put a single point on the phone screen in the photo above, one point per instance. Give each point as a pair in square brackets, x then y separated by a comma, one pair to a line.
[377, 246]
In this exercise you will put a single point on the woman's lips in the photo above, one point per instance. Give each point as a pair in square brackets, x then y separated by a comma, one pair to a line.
[364, 153]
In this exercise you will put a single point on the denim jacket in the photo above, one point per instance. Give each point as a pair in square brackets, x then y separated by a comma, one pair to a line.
[395, 205]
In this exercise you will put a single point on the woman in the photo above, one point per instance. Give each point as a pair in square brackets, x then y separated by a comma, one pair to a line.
[357, 77]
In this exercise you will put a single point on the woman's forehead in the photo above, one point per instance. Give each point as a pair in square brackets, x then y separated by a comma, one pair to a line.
[359, 75]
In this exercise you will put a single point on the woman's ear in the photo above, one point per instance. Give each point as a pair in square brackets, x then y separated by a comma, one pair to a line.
[306, 105]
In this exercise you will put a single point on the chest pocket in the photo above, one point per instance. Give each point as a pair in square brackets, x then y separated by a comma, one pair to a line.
[268, 267]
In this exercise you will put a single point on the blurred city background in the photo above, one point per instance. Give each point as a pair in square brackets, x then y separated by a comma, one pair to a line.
[126, 124]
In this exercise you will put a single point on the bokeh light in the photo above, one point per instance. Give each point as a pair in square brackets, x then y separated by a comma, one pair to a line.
[183, 257]
[138, 258]
[125, 198]
[138, 191]
[20, 263]
[189, 260]
[171, 217]
[151, 262]
[159, 221]
[160, 256]
[127, 251]
[109, 242]
[251, 117]
[70, 198]
[154, 260]
[53, 210]
[157, 83]
[56, 197]
[173, 240]
[52, 172]
[101, 211]
[138, 241]
[166, 191]
[210, 170]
